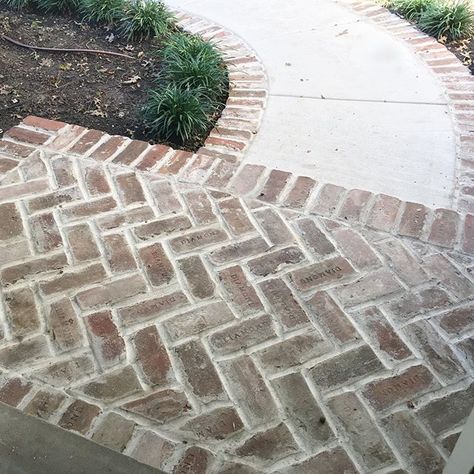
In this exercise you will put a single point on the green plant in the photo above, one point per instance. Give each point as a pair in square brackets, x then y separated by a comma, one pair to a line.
[102, 11]
[410, 9]
[17, 4]
[192, 63]
[61, 6]
[143, 19]
[177, 115]
[452, 21]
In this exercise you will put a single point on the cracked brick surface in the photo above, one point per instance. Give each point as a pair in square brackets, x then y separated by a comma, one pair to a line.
[199, 330]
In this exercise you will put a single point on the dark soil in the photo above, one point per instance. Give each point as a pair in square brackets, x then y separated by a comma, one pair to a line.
[100, 92]
[464, 50]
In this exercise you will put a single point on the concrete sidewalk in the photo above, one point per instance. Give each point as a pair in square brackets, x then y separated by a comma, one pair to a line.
[348, 103]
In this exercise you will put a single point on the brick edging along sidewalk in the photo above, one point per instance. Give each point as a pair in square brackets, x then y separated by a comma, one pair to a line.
[456, 80]
[442, 227]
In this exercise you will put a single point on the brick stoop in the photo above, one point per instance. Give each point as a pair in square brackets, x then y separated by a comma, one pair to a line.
[263, 323]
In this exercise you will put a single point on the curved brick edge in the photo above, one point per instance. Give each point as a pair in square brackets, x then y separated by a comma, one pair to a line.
[456, 80]
[442, 227]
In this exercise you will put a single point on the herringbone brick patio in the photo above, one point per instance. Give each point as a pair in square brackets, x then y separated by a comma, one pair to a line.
[203, 332]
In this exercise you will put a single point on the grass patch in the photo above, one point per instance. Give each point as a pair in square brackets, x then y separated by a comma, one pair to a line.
[17, 4]
[58, 6]
[449, 21]
[102, 11]
[410, 9]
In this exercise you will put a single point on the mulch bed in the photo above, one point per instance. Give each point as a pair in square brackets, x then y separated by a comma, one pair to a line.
[100, 92]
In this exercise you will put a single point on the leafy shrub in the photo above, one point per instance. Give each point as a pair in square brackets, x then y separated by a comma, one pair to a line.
[452, 21]
[193, 63]
[102, 11]
[143, 19]
[177, 115]
[58, 6]
[410, 9]
[17, 4]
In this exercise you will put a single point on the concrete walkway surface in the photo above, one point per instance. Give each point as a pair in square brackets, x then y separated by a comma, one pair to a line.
[383, 124]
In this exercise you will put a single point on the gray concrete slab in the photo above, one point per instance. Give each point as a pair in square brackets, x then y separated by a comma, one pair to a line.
[29, 445]
[384, 126]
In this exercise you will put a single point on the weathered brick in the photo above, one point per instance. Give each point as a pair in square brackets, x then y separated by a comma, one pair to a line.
[14, 391]
[153, 450]
[408, 385]
[413, 444]
[364, 437]
[64, 325]
[321, 273]
[154, 155]
[86, 142]
[201, 208]
[162, 227]
[27, 136]
[131, 152]
[314, 238]
[300, 192]
[444, 228]
[328, 462]
[11, 222]
[130, 189]
[10, 253]
[221, 174]
[378, 284]
[194, 461]
[79, 416]
[273, 444]
[468, 234]
[114, 385]
[273, 262]
[164, 196]
[21, 311]
[90, 209]
[44, 404]
[274, 185]
[161, 406]
[152, 356]
[62, 374]
[331, 317]
[302, 409]
[274, 227]
[243, 335]
[200, 372]
[450, 442]
[157, 264]
[218, 424]
[241, 293]
[354, 204]
[197, 240]
[283, 303]
[96, 181]
[293, 351]
[33, 168]
[176, 162]
[7, 164]
[124, 218]
[196, 276]
[108, 345]
[107, 149]
[148, 309]
[381, 334]
[327, 200]
[239, 250]
[403, 262]
[74, 279]
[235, 468]
[457, 320]
[112, 292]
[15, 273]
[82, 243]
[45, 124]
[235, 216]
[15, 149]
[413, 303]
[345, 368]
[413, 220]
[114, 432]
[246, 179]
[63, 170]
[21, 190]
[198, 320]
[445, 413]
[451, 278]
[56, 198]
[384, 212]
[118, 253]
[434, 350]
[248, 389]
